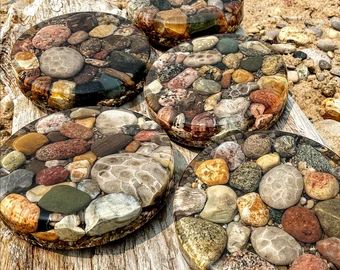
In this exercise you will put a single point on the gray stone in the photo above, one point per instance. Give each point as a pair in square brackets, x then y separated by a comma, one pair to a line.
[188, 201]
[16, 181]
[316, 55]
[206, 87]
[252, 48]
[227, 45]
[199, 59]
[285, 146]
[111, 212]
[275, 245]
[204, 43]
[326, 44]
[90, 187]
[284, 48]
[246, 177]
[238, 236]
[335, 23]
[112, 121]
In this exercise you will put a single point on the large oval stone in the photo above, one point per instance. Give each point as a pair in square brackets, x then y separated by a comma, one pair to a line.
[328, 213]
[29, 143]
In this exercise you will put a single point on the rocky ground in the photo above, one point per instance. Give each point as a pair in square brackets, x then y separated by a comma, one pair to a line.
[306, 32]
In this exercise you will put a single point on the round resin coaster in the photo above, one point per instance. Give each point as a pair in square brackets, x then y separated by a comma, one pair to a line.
[82, 178]
[81, 59]
[259, 199]
[168, 22]
[216, 85]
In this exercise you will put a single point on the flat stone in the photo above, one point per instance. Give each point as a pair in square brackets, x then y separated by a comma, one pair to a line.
[272, 64]
[56, 136]
[65, 200]
[112, 121]
[275, 245]
[204, 43]
[329, 130]
[326, 44]
[76, 131]
[184, 79]
[51, 123]
[51, 36]
[120, 173]
[242, 76]
[79, 170]
[252, 210]
[202, 241]
[188, 201]
[229, 107]
[227, 45]
[328, 213]
[252, 48]
[298, 36]
[83, 113]
[62, 150]
[110, 144]
[110, 212]
[268, 161]
[128, 63]
[221, 204]
[252, 63]
[61, 62]
[78, 37]
[102, 30]
[335, 23]
[206, 87]
[29, 143]
[51, 176]
[82, 21]
[281, 187]
[238, 236]
[13, 160]
[86, 122]
[89, 156]
[16, 181]
[200, 59]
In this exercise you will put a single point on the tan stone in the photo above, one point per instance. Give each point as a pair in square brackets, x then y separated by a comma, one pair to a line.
[171, 22]
[103, 30]
[268, 161]
[46, 236]
[86, 122]
[89, 156]
[62, 95]
[29, 143]
[242, 76]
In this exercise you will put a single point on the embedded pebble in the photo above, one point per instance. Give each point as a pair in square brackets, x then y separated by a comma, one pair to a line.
[221, 204]
[102, 31]
[310, 262]
[68, 228]
[35, 194]
[83, 113]
[274, 244]
[268, 161]
[199, 59]
[204, 43]
[231, 152]
[328, 213]
[51, 36]
[79, 170]
[51, 176]
[285, 146]
[51, 123]
[246, 177]
[76, 131]
[281, 187]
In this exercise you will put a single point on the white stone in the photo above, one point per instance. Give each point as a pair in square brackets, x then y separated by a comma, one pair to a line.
[204, 43]
[238, 236]
[111, 212]
[154, 87]
[79, 170]
[67, 229]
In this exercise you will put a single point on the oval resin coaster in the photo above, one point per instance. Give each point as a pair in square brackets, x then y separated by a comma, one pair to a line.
[82, 178]
[168, 22]
[216, 85]
[81, 59]
[258, 200]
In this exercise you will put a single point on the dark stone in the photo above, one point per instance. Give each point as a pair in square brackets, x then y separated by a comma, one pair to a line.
[90, 47]
[300, 54]
[246, 177]
[252, 63]
[227, 45]
[89, 93]
[139, 44]
[161, 4]
[17, 181]
[56, 136]
[131, 130]
[82, 21]
[203, 21]
[65, 200]
[126, 62]
[111, 144]
[116, 43]
[112, 86]
[86, 75]
[170, 72]
[324, 65]
[35, 166]
[276, 215]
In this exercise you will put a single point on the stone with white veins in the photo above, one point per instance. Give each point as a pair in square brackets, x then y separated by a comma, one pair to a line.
[188, 201]
[111, 212]
[111, 122]
[281, 187]
[135, 174]
[16, 181]
[67, 229]
[275, 245]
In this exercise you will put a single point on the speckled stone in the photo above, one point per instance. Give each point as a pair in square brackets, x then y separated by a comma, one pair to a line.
[51, 176]
[246, 177]
[281, 187]
[310, 262]
[231, 152]
[203, 241]
[51, 123]
[76, 131]
[328, 213]
[285, 146]
[13, 160]
[302, 224]
[256, 146]
[51, 36]
[275, 245]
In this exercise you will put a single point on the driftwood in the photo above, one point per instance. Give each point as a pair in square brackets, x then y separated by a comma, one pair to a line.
[155, 245]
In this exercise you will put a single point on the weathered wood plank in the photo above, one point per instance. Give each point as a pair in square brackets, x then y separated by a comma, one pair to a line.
[155, 245]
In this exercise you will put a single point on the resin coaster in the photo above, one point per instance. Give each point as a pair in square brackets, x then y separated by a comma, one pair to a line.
[168, 22]
[259, 199]
[216, 85]
[85, 177]
[81, 59]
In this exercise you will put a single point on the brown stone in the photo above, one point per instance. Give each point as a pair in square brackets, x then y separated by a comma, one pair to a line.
[41, 87]
[302, 224]
[89, 156]
[86, 122]
[132, 147]
[76, 131]
[52, 176]
[29, 143]
[269, 99]
[145, 135]
[111, 144]
[171, 22]
[242, 76]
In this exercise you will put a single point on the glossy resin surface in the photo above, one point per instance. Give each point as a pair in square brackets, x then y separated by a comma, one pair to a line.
[81, 59]
[84, 177]
[216, 85]
[259, 200]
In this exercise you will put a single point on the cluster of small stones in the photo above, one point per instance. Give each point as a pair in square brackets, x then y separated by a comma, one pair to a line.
[260, 201]
[168, 22]
[311, 50]
[84, 177]
[81, 59]
[216, 85]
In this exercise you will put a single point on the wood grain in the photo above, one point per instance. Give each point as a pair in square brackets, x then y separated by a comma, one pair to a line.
[155, 245]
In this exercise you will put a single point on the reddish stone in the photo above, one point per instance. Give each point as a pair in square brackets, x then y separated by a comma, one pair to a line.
[62, 150]
[22, 46]
[269, 99]
[101, 55]
[308, 262]
[203, 124]
[29, 76]
[76, 131]
[184, 79]
[51, 36]
[167, 115]
[226, 80]
[52, 176]
[132, 147]
[145, 135]
[330, 249]
[302, 224]
[41, 87]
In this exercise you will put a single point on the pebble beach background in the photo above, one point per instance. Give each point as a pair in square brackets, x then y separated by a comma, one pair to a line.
[306, 32]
